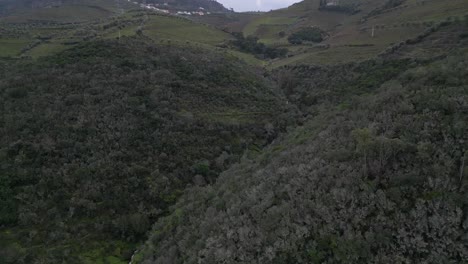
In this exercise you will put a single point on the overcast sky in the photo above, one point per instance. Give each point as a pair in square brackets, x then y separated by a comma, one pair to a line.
[254, 5]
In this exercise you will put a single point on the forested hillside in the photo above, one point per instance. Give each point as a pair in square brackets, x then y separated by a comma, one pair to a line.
[375, 175]
[326, 132]
[98, 141]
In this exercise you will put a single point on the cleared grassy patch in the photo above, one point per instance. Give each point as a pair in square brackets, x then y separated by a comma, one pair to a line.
[108, 252]
[163, 27]
[270, 34]
[333, 55]
[248, 58]
[267, 19]
[128, 31]
[12, 47]
[46, 49]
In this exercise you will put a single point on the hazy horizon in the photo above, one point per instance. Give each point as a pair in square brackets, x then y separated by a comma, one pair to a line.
[257, 5]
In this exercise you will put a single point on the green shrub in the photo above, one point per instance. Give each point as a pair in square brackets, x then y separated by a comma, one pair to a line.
[311, 34]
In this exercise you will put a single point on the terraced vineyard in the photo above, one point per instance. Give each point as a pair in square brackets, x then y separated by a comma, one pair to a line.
[356, 37]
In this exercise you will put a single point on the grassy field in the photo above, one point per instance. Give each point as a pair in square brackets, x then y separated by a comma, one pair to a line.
[49, 29]
[253, 27]
[12, 47]
[232, 22]
[163, 29]
[46, 49]
[248, 58]
[172, 28]
[127, 31]
[334, 55]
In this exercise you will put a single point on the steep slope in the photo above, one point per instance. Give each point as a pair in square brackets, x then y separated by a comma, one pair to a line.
[354, 36]
[229, 22]
[376, 174]
[433, 43]
[97, 142]
[312, 87]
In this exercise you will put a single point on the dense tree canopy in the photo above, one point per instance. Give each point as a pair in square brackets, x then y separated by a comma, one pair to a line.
[250, 44]
[120, 140]
[380, 179]
[310, 34]
[98, 141]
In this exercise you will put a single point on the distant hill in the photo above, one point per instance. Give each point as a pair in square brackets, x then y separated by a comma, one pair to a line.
[60, 10]
[189, 5]
[11, 4]
[86, 10]
[8, 6]
[356, 29]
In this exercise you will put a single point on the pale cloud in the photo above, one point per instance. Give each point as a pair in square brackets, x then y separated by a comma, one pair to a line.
[255, 5]
[259, 4]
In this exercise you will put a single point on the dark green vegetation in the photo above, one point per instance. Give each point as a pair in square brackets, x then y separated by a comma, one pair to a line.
[120, 126]
[250, 44]
[311, 34]
[376, 174]
[97, 141]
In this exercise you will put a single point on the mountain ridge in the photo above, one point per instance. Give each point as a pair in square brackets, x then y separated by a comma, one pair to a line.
[189, 5]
